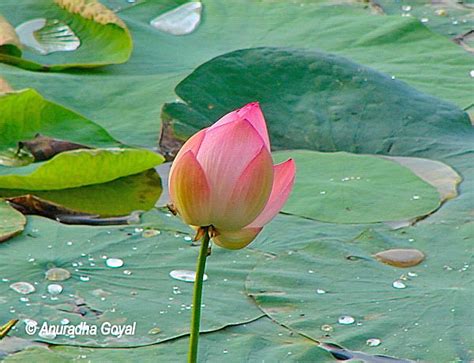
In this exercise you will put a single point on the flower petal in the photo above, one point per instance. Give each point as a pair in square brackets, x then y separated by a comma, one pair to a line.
[235, 240]
[224, 154]
[249, 196]
[253, 113]
[283, 180]
[189, 190]
[193, 144]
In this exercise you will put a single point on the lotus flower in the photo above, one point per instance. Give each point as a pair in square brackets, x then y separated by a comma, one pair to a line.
[224, 177]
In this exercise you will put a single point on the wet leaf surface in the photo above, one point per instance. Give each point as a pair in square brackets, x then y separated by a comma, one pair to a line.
[407, 311]
[398, 46]
[116, 198]
[78, 168]
[350, 188]
[66, 33]
[252, 342]
[139, 289]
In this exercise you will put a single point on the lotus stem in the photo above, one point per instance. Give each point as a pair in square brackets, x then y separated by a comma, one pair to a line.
[197, 297]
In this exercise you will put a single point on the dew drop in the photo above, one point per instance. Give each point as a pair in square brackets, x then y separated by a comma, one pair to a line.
[65, 321]
[24, 299]
[114, 262]
[127, 272]
[185, 275]
[373, 342]
[188, 239]
[320, 291]
[346, 320]
[180, 21]
[154, 331]
[55, 289]
[57, 274]
[424, 20]
[23, 287]
[412, 274]
[471, 73]
[47, 335]
[400, 257]
[406, 7]
[84, 278]
[398, 284]
[47, 36]
[327, 328]
[225, 351]
[415, 197]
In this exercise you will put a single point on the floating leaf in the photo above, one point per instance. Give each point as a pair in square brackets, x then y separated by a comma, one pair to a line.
[349, 188]
[77, 168]
[317, 101]
[398, 46]
[119, 197]
[25, 113]
[262, 340]
[70, 33]
[425, 321]
[446, 17]
[96, 293]
[438, 174]
[12, 222]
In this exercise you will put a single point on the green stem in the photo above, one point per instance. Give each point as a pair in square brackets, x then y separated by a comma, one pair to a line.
[197, 297]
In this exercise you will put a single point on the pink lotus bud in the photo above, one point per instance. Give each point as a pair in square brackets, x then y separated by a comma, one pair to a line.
[224, 177]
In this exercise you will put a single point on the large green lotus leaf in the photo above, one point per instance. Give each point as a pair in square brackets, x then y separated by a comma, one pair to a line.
[140, 291]
[258, 341]
[12, 221]
[350, 188]
[25, 113]
[447, 17]
[425, 320]
[290, 233]
[73, 33]
[314, 100]
[115, 198]
[77, 168]
[135, 91]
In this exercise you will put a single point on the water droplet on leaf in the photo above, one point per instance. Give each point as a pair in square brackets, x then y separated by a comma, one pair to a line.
[180, 21]
[23, 287]
[185, 275]
[154, 331]
[398, 284]
[114, 262]
[327, 328]
[55, 289]
[373, 342]
[346, 320]
[57, 274]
